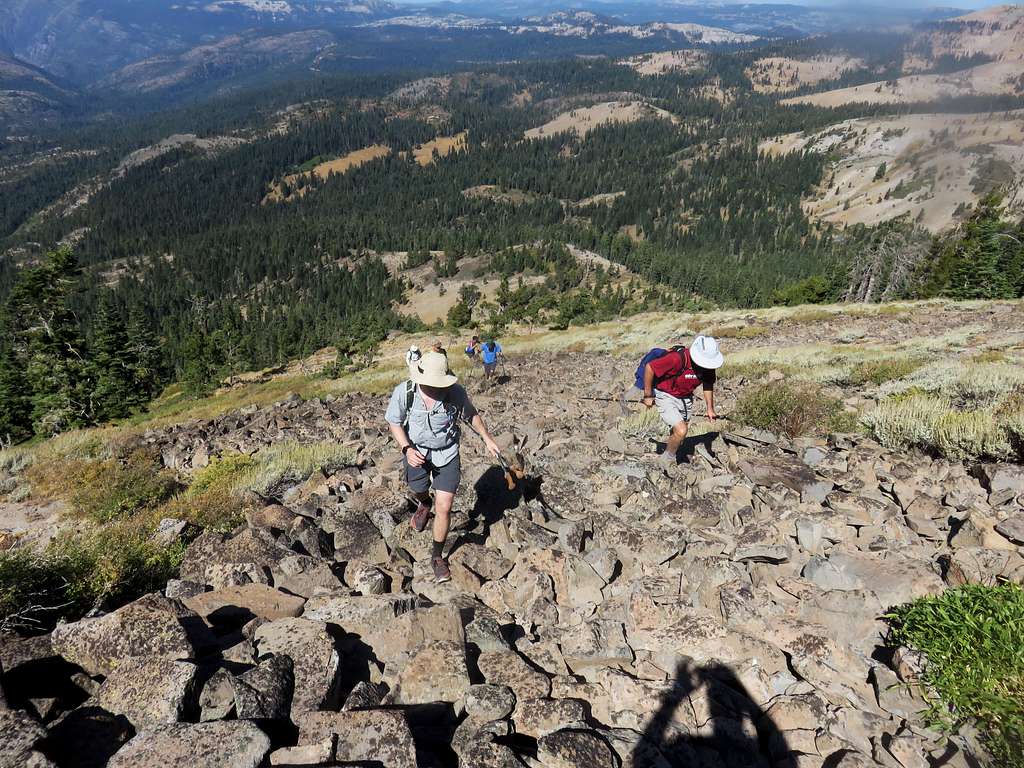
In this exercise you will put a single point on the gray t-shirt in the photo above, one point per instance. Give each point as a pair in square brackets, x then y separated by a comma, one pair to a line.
[434, 431]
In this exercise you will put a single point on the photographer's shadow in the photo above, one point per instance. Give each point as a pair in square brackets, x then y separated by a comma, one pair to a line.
[738, 734]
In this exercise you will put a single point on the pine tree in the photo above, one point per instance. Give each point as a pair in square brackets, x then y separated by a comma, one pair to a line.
[112, 362]
[144, 355]
[15, 402]
[45, 337]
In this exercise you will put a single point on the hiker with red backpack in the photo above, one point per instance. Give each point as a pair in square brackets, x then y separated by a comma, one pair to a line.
[669, 377]
[424, 416]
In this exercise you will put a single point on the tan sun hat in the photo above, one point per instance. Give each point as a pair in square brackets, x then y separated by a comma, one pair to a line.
[432, 371]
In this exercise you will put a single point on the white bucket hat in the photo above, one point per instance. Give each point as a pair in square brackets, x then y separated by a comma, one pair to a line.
[705, 352]
[432, 371]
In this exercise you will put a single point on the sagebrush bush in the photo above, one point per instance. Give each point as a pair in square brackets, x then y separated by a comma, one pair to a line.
[972, 638]
[965, 435]
[643, 424]
[882, 370]
[939, 425]
[287, 463]
[907, 421]
[792, 410]
[15, 460]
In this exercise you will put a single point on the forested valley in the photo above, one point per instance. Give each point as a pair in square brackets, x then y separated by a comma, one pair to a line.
[119, 277]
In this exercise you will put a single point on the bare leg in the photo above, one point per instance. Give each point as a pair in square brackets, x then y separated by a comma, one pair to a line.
[675, 439]
[442, 514]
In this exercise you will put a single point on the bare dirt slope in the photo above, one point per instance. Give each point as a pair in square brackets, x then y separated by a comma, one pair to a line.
[778, 74]
[582, 120]
[686, 60]
[933, 165]
[996, 32]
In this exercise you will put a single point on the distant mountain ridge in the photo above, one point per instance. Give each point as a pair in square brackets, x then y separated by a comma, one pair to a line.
[85, 39]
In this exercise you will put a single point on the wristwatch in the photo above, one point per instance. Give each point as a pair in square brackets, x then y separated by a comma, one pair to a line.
[405, 448]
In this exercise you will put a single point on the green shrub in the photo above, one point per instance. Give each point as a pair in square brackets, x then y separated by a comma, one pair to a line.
[881, 371]
[787, 409]
[103, 490]
[34, 589]
[106, 566]
[973, 641]
[214, 500]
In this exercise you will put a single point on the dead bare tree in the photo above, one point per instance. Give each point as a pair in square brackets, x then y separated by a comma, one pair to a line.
[883, 270]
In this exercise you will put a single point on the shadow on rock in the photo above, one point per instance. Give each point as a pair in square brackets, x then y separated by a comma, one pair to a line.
[736, 733]
[493, 497]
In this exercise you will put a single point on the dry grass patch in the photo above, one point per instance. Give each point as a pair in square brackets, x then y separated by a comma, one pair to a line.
[323, 170]
[738, 331]
[443, 145]
[582, 120]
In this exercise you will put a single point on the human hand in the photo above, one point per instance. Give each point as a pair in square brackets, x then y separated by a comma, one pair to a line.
[493, 448]
[648, 402]
[415, 458]
[712, 416]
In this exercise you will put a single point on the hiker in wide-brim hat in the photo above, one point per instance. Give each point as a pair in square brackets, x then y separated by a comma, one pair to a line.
[669, 381]
[424, 416]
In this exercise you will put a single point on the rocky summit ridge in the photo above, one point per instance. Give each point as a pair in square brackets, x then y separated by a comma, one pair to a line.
[606, 612]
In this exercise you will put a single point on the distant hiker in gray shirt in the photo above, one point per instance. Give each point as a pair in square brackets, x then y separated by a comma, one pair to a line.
[424, 415]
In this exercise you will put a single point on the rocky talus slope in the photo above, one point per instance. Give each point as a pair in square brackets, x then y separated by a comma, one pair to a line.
[605, 613]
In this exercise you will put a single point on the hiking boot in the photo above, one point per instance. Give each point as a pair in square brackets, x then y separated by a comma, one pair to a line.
[441, 571]
[420, 517]
[668, 460]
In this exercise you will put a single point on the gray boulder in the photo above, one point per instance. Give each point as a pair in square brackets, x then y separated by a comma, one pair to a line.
[265, 692]
[315, 659]
[380, 736]
[231, 744]
[152, 627]
[149, 691]
[20, 734]
[574, 749]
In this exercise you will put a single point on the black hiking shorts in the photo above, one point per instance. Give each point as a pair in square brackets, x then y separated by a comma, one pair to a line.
[428, 476]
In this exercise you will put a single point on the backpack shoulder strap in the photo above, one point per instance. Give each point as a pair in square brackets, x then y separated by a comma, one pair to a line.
[410, 395]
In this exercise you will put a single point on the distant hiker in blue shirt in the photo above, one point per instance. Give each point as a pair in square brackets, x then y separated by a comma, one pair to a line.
[489, 353]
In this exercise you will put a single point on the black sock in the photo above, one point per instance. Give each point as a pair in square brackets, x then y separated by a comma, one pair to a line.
[438, 549]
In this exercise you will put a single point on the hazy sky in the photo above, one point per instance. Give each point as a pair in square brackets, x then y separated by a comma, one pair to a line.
[965, 4]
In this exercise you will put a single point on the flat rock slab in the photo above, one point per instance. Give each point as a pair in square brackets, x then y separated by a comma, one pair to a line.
[231, 744]
[237, 605]
[357, 614]
[437, 672]
[1013, 528]
[574, 749]
[149, 691]
[371, 735]
[151, 627]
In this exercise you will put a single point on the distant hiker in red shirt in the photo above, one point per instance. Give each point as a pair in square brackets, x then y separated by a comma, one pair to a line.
[670, 380]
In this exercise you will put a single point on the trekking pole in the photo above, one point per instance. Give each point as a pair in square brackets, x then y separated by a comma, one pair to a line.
[510, 476]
